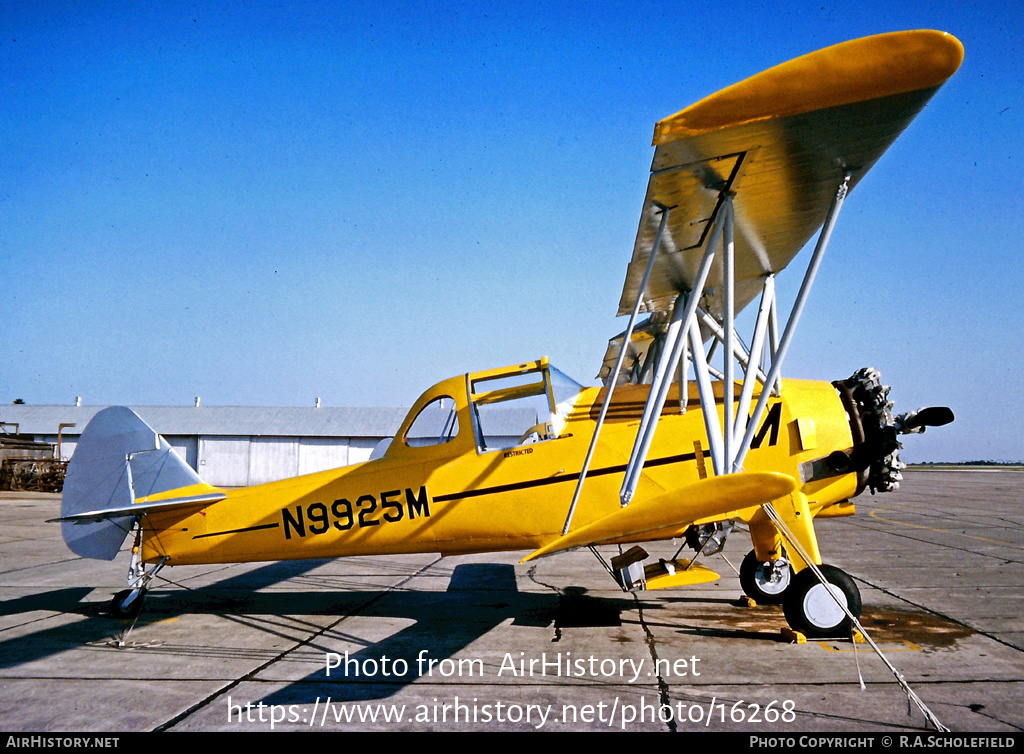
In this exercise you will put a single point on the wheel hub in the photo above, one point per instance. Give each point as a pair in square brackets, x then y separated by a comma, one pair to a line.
[821, 608]
[774, 577]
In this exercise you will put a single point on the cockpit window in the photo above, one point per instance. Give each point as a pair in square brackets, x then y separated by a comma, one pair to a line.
[520, 409]
[435, 424]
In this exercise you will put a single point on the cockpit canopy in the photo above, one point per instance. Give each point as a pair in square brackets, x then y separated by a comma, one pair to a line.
[515, 406]
[499, 408]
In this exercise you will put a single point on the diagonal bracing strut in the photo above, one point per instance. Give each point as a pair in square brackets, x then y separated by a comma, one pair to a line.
[729, 439]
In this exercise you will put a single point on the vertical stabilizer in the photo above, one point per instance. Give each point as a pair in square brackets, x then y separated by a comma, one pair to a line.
[119, 458]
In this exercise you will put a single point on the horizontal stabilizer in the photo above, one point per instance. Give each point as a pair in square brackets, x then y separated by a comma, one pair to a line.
[188, 501]
[120, 460]
[704, 499]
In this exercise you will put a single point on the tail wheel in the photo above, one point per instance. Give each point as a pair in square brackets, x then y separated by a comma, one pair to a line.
[127, 603]
[765, 583]
[812, 610]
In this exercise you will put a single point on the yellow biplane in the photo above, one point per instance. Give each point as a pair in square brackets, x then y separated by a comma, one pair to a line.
[692, 430]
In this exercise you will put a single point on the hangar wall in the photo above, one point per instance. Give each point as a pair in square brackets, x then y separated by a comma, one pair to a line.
[237, 446]
[234, 446]
[239, 461]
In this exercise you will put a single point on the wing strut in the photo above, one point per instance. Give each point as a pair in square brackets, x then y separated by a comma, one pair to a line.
[774, 372]
[626, 339]
[683, 318]
[729, 436]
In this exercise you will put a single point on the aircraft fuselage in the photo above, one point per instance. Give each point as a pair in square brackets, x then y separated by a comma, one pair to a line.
[461, 495]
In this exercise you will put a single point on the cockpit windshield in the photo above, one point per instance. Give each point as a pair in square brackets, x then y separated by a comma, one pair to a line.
[564, 392]
[520, 406]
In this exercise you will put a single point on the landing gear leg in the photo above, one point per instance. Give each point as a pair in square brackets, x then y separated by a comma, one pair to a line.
[127, 603]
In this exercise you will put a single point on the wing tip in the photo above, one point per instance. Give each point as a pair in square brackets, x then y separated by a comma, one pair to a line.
[858, 70]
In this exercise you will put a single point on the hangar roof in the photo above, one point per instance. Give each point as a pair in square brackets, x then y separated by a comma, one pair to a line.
[218, 420]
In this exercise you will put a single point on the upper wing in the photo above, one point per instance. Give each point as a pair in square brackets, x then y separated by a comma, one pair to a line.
[781, 143]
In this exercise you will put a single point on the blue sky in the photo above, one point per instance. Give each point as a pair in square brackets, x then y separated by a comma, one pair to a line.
[265, 203]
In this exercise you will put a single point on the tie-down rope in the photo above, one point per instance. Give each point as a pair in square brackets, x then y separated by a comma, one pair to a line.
[911, 696]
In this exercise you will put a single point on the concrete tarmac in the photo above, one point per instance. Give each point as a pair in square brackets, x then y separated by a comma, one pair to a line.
[423, 643]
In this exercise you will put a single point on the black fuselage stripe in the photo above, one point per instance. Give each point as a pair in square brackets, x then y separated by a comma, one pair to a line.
[236, 531]
[682, 458]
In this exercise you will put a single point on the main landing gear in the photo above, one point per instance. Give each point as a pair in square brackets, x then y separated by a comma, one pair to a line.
[814, 609]
[127, 603]
[810, 607]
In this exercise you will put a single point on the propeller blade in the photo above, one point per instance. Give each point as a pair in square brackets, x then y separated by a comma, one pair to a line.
[934, 416]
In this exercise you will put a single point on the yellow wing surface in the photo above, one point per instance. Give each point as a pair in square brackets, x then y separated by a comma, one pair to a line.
[780, 142]
[711, 497]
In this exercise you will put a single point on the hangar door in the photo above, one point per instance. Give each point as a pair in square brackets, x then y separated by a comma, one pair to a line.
[241, 461]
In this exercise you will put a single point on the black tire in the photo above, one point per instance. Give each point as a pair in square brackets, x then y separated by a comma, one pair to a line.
[757, 584]
[127, 603]
[810, 610]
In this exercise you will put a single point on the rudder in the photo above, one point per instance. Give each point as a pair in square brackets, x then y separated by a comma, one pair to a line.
[98, 479]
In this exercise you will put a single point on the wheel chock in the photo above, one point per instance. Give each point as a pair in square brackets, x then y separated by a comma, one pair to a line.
[793, 637]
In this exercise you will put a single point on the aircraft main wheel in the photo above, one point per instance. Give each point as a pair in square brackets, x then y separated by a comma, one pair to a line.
[127, 603]
[812, 611]
[765, 584]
